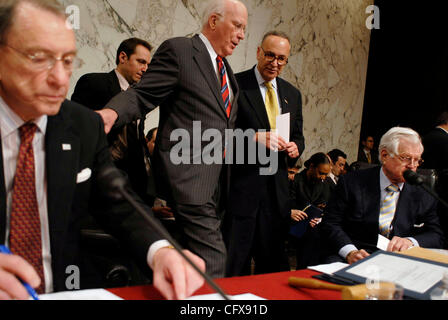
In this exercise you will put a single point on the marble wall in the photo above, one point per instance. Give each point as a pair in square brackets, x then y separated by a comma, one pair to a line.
[328, 62]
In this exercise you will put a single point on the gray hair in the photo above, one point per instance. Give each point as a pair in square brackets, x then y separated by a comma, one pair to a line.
[8, 8]
[214, 6]
[391, 140]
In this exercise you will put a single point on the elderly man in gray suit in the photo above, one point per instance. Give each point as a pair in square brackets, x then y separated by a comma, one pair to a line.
[191, 81]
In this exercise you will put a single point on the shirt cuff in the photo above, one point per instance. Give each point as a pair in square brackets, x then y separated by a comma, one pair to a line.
[154, 248]
[345, 250]
[414, 242]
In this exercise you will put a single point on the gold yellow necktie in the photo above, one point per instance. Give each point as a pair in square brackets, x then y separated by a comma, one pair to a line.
[369, 160]
[387, 209]
[271, 104]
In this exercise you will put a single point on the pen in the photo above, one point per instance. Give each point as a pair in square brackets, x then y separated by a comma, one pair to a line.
[32, 293]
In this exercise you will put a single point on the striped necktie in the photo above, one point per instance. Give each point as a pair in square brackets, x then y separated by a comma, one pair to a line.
[271, 104]
[225, 93]
[25, 233]
[387, 210]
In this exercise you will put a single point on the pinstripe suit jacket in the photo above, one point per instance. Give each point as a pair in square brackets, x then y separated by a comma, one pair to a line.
[182, 81]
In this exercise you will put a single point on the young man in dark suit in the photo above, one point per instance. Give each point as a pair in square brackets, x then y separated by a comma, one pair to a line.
[191, 81]
[259, 205]
[51, 154]
[94, 90]
[377, 201]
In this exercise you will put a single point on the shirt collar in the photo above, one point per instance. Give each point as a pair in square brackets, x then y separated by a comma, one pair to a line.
[209, 46]
[442, 129]
[124, 84]
[385, 182]
[10, 121]
[261, 81]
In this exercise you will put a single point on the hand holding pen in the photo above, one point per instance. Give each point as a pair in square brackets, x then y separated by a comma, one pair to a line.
[17, 277]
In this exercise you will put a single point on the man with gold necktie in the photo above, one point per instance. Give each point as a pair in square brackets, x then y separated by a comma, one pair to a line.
[378, 202]
[259, 204]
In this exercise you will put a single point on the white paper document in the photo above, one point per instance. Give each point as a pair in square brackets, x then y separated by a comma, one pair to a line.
[217, 296]
[329, 268]
[282, 125]
[411, 274]
[382, 243]
[90, 294]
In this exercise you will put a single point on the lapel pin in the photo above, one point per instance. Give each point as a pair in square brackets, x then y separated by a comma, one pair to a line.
[66, 146]
[286, 101]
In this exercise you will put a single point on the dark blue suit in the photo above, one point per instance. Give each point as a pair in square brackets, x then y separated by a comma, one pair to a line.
[352, 214]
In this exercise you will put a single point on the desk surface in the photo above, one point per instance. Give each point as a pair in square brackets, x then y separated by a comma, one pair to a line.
[271, 286]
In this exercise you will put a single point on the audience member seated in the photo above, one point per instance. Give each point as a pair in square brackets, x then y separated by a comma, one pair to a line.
[367, 152]
[378, 201]
[310, 187]
[338, 159]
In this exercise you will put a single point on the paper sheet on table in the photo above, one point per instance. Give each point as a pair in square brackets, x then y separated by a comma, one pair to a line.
[329, 268]
[382, 242]
[90, 294]
[415, 275]
[282, 125]
[217, 296]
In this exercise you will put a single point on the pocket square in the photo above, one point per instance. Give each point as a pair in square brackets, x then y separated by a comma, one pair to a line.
[419, 225]
[84, 175]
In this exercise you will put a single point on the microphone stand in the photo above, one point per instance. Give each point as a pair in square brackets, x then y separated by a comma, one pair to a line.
[434, 194]
[167, 236]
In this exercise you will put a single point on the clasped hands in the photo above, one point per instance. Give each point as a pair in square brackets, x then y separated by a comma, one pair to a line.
[299, 215]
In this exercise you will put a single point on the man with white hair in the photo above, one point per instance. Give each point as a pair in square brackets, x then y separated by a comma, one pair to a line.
[378, 201]
[191, 81]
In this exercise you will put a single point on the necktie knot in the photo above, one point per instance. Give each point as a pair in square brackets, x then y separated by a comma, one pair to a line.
[268, 85]
[392, 188]
[27, 132]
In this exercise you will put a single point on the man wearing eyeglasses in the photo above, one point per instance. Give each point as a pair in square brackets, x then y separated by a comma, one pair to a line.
[51, 153]
[377, 202]
[259, 204]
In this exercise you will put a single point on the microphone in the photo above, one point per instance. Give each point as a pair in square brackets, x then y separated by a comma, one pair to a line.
[414, 178]
[112, 181]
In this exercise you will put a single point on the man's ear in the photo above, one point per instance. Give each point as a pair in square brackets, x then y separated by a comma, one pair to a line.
[122, 57]
[212, 21]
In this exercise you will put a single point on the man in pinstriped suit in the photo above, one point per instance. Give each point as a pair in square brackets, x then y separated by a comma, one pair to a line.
[183, 80]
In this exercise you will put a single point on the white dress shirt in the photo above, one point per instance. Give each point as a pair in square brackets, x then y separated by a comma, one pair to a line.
[10, 124]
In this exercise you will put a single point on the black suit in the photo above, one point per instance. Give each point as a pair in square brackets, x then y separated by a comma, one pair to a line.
[182, 81]
[94, 90]
[69, 202]
[352, 214]
[259, 204]
[373, 156]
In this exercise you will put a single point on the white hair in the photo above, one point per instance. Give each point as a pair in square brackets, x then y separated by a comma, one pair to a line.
[391, 140]
[213, 6]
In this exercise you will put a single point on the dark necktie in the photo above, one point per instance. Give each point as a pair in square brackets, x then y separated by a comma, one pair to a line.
[225, 93]
[25, 234]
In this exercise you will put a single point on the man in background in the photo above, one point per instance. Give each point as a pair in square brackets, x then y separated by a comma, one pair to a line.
[259, 205]
[338, 160]
[367, 153]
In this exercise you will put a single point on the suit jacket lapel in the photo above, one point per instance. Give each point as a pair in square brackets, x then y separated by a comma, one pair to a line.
[235, 88]
[114, 83]
[2, 199]
[402, 210]
[284, 102]
[205, 66]
[255, 100]
[61, 166]
[371, 197]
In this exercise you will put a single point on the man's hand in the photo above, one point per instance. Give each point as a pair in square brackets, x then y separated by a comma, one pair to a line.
[298, 215]
[314, 222]
[291, 150]
[11, 267]
[399, 244]
[173, 276]
[356, 255]
[163, 212]
[271, 140]
[109, 117]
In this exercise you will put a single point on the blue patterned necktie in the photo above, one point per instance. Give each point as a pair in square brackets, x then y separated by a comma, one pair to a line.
[387, 210]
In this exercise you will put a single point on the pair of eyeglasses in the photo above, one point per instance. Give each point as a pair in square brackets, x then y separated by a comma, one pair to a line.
[41, 60]
[409, 160]
[271, 57]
